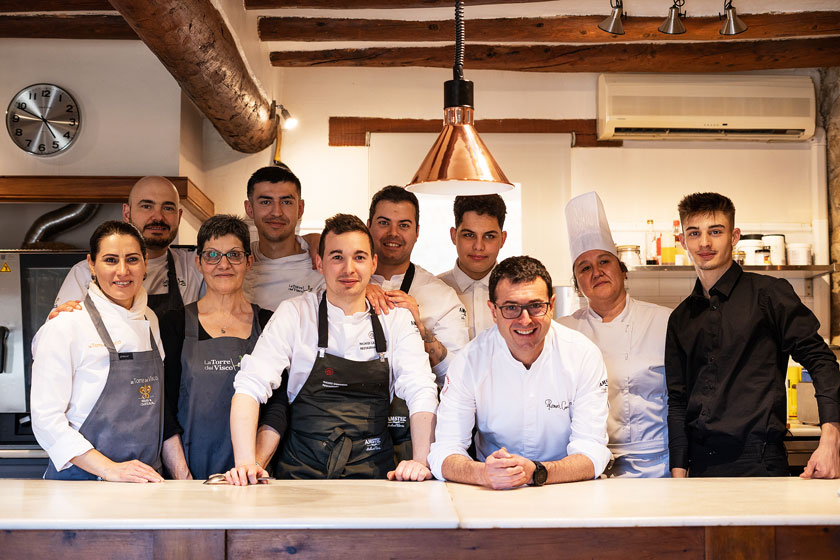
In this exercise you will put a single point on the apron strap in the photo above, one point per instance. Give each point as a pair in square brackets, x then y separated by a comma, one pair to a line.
[323, 326]
[256, 329]
[175, 299]
[408, 279]
[378, 336]
[100, 325]
[191, 320]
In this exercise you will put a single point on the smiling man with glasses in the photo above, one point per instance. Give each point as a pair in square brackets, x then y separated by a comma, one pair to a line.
[535, 391]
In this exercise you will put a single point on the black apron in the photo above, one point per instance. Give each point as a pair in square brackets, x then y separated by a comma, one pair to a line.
[161, 303]
[207, 371]
[127, 420]
[398, 422]
[339, 419]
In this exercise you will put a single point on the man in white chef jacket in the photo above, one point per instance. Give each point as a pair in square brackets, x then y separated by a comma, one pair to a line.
[631, 337]
[439, 314]
[478, 236]
[282, 260]
[535, 390]
[154, 207]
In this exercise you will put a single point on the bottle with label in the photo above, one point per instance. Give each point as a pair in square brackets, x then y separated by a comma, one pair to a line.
[680, 258]
[668, 251]
[651, 245]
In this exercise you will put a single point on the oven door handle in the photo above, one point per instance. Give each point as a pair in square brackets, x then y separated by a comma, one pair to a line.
[4, 335]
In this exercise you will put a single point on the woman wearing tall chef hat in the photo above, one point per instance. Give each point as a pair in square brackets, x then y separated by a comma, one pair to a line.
[631, 336]
[97, 374]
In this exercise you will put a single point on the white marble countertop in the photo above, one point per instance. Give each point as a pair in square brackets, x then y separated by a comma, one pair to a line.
[378, 504]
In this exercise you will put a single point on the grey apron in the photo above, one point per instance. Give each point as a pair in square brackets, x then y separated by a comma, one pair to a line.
[339, 425]
[207, 371]
[398, 423]
[127, 420]
[161, 303]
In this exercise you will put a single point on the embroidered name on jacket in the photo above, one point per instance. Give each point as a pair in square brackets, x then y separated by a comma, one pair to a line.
[562, 405]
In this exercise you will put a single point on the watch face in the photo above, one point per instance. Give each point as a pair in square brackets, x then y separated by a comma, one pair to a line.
[43, 119]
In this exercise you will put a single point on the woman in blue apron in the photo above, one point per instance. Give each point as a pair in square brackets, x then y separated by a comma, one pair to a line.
[204, 343]
[97, 375]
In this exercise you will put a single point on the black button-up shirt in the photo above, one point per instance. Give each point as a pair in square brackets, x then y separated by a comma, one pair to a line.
[726, 360]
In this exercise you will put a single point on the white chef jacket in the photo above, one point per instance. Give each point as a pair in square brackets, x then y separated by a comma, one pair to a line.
[190, 280]
[440, 311]
[272, 281]
[290, 340]
[70, 367]
[556, 408]
[633, 346]
[473, 295]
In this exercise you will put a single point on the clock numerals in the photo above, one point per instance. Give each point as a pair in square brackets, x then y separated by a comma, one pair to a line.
[43, 119]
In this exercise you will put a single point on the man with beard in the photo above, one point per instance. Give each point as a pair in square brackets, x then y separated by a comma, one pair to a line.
[435, 307]
[154, 208]
[282, 260]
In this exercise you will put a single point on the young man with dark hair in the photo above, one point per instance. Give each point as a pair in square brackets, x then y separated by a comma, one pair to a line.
[478, 237]
[282, 260]
[535, 391]
[343, 363]
[726, 357]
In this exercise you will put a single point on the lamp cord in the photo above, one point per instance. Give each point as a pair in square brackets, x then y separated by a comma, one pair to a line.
[616, 4]
[458, 68]
[727, 4]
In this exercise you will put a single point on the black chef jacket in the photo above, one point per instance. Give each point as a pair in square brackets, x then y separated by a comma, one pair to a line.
[726, 360]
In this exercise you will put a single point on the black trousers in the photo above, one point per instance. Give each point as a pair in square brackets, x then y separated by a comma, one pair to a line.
[750, 459]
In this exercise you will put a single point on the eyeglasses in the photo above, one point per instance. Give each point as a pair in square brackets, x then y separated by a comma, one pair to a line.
[513, 310]
[234, 256]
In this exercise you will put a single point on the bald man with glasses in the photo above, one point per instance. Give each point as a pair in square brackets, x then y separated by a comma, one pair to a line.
[535, 391]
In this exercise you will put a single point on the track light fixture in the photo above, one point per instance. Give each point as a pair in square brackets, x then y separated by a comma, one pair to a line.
[612, 24]
[672, 24]
[733, 24]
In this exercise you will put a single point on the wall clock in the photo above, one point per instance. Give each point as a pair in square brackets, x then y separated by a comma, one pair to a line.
[43, 119]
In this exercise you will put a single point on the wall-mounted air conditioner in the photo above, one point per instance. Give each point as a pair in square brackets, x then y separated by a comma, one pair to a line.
[705, 107]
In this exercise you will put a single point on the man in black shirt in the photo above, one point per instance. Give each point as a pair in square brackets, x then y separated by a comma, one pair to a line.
[726, 358]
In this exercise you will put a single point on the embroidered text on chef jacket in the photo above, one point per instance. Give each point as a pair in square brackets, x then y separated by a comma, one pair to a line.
[473, 295]
[272, 281]
[556, 408]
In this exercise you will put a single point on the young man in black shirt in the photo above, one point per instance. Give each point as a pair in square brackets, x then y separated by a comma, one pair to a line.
[726, 359]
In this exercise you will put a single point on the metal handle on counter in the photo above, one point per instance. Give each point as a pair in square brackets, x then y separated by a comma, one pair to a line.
[4, 335]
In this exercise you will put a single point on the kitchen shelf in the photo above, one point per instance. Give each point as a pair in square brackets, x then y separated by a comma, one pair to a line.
[789, 271]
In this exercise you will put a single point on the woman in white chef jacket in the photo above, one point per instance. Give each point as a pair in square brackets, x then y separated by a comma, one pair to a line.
[631, 336]
[97, 374]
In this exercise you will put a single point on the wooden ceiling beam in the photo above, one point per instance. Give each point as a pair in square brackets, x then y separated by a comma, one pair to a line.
[562, 29]
[65, 27]
[192, 40]
[620, 57]
[368, 4]
[16, 6]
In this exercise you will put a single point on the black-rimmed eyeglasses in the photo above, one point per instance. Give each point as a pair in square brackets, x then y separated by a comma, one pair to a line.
[513, 310]
[234, 256]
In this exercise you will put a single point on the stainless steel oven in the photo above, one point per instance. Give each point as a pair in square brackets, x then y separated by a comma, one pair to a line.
[29, 282]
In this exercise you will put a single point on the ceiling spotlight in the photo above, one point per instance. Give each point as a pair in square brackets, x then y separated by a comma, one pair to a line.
[459, 163]
[672, 24]
[733, 24]
[612, 24]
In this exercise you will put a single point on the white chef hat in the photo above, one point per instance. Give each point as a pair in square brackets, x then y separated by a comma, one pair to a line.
[588, 227]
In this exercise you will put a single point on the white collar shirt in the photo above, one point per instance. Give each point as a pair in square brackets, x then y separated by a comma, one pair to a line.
[441, 312]
[556, 408]
[70, 366]
[474, 295]
[633, 346]
[190, 280]
[290, 340]
[272, 281]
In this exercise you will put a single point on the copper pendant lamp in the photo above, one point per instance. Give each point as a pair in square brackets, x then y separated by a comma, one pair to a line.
[459, 163]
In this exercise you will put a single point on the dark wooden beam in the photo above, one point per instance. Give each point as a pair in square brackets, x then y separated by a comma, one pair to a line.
[13, 6]
[192, 40]
[563, 29]
[364, 4]
[727, 56]
[64, 188]
[65, 27]
[352, 131]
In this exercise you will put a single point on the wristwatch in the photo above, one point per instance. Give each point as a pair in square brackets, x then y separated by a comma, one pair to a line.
[540, 474]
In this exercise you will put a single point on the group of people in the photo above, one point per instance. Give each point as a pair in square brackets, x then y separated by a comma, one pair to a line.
[336, 356]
